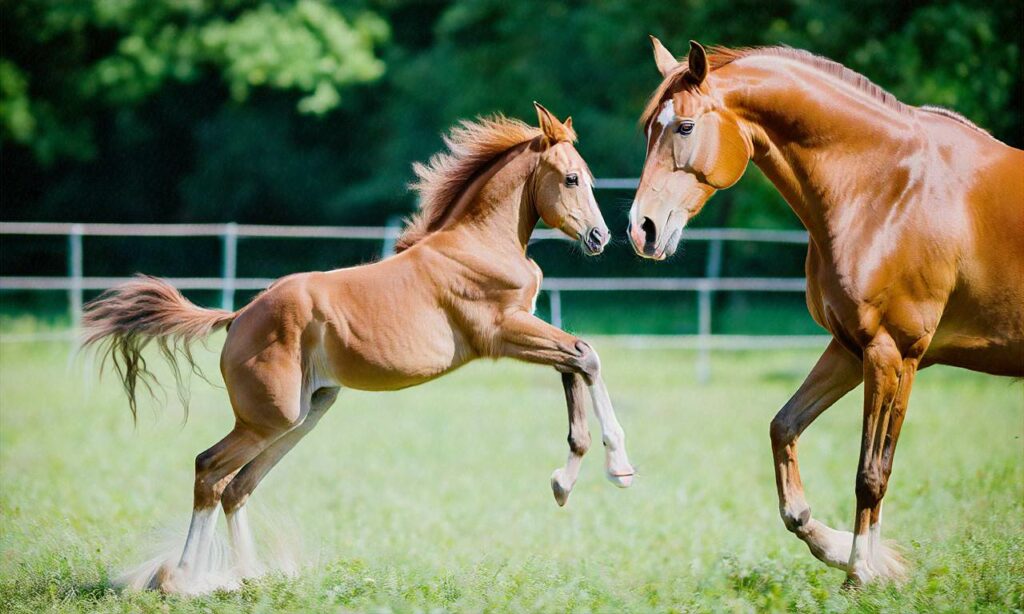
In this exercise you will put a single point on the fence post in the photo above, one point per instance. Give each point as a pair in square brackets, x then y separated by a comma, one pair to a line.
[712, 271]
[555, 297]
[229, 266]
[392, 229]
[75, 268]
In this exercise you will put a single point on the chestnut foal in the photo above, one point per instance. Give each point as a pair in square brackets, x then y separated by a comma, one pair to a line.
[460, 288]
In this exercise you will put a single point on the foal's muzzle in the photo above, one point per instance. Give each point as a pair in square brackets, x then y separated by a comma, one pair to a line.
[594, 240]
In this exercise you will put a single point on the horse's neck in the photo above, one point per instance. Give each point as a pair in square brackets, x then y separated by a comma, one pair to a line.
[499, 212]
[830, 148]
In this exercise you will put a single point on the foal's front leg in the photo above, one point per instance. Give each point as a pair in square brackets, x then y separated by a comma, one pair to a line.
[529, 338]
[563, 479]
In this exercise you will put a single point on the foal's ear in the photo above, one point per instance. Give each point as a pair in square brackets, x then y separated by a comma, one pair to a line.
[663, 57]
[697, 63]
[554, 130]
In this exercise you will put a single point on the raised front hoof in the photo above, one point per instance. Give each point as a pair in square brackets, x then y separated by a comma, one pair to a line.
[560, 488]
[622, 479]
[887, 565]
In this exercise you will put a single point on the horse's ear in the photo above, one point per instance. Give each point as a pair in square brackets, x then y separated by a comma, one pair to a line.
[554, 130]
[663, 57]
[697, 63]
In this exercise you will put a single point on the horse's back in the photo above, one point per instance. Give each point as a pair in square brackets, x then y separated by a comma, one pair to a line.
[982, 325]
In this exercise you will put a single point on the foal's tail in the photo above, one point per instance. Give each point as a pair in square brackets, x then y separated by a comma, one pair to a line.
[124, 319]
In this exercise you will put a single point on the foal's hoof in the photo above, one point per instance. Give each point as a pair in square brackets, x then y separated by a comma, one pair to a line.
[168, 579]
[621, 479]
[560, 490]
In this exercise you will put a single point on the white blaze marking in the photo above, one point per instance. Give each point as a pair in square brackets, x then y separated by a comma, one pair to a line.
[668, 113]
[664, 118]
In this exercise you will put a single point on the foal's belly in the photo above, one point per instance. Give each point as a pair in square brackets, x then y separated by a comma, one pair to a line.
[394, 353]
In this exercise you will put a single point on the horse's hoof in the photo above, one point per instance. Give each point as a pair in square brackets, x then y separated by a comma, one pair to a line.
[561, 492]
[167, 579]
[622, 480]
[889, 562]
[886, 565]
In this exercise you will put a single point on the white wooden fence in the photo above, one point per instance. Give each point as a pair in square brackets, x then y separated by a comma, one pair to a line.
[76, 283]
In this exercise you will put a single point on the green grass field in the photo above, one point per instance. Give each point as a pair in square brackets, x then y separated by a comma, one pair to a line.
[437, 499]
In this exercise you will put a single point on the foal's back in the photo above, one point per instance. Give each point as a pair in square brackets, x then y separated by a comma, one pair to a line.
[378, 326]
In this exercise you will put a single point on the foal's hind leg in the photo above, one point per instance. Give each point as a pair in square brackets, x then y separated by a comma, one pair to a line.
[836, 373]
[563, 479]
[214, 468]
[266, 405]
[241, 486]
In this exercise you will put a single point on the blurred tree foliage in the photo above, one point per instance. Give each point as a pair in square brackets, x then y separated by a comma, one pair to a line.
[282, 111]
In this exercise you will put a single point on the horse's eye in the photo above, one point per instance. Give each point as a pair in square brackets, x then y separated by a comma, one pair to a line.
[572, 179]
[685, 127]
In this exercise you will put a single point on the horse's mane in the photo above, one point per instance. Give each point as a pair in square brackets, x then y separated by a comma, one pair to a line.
[953, 115]
[723, 56]
[472, 145]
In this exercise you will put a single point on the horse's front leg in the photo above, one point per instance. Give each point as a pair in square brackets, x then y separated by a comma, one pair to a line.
[888, 378]
[526, 337]
[564, 478]
[836, 373]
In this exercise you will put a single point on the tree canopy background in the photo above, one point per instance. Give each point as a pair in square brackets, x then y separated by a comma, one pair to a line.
[313, 111]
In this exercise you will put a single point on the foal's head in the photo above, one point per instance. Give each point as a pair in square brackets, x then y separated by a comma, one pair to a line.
[563, 187]
[695, 146]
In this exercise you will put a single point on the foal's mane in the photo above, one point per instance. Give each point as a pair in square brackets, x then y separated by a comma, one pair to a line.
[723, 56]
[472, 146]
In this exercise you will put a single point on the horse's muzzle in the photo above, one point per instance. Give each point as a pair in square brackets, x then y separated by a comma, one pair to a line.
[594, 240]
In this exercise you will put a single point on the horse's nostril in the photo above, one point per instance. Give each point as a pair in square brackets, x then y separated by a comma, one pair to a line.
[594, 240]
[650, 234]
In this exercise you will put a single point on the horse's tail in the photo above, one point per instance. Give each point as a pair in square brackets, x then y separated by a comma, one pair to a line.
[124, 319]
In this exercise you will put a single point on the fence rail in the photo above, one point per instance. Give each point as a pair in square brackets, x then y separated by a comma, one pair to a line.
[76, 283]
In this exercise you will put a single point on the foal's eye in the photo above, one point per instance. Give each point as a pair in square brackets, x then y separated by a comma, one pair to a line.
[572, 180]
[685, 127]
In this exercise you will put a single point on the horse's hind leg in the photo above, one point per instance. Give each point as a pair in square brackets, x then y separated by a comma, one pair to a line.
[241, 485]
[836, 373]
[214, 468]
[266, 405]
[563, 479]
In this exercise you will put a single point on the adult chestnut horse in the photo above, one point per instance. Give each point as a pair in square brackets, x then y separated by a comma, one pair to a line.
[460, 288]
[916, 257]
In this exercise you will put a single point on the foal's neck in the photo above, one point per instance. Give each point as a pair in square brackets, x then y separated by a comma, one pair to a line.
[500, 212]
[832, 149]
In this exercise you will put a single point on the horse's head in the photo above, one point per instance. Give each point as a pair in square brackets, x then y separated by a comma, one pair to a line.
[563, 187]
[695, 146]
